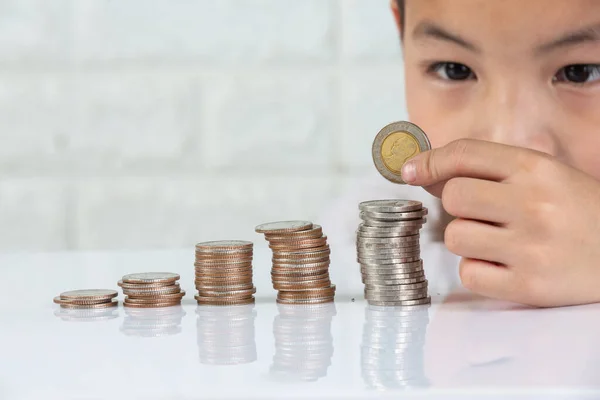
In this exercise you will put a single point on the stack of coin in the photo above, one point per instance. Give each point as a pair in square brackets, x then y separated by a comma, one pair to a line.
[300, 269]
[303, 342]
[392, 347]
[155, 322]
[224, 273]
[87, 299]
[151, 290]
[226, 334]
[389, 252]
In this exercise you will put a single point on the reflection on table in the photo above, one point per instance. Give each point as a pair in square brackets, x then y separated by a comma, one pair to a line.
[152, 322]
[303, 342]
[86, 315]
[226, 334]
[392, 347]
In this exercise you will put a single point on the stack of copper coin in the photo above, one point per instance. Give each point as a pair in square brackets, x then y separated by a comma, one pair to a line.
[151, 290]
[389, 252]
[224, 273]
[300, 269]
[87, 298]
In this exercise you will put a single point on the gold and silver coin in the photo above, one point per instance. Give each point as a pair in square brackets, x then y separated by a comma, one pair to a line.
[395, 144]
[390, 254]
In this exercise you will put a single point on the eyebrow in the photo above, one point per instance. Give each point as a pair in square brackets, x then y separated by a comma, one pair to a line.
[589, 34]
[428, 29]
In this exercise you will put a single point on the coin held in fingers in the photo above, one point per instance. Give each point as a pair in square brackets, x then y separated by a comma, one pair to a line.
[395, 144]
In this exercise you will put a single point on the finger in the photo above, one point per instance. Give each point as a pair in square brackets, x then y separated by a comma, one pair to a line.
[464, 157]
[479, 199]
[473, 239]
[489, 280]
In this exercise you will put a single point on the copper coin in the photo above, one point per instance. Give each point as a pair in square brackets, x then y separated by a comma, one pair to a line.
[315, 232]
[151, 277]
[58, 300]
[283, 227]
[200, 257]
[226, 278]
[152, 305]
[151, 293]
[89, 295]
[314, 251]
[295, 242]
[302, 285]
[223, 271]
[229, 293]
[324, 292]
[113, 303]
[293, 273]
[242, 286]
[303, 302]
[225, 245]
[143, 285]
[298, 279]
[163, 298]
[314, 290]
[298, 246]
[217, 302]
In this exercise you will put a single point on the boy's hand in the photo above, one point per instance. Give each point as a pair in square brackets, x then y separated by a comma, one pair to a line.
[527, 226]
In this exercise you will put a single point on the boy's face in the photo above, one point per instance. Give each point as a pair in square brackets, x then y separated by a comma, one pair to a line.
[523, 73]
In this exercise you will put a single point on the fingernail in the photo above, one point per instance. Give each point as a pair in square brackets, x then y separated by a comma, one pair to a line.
[409, 172]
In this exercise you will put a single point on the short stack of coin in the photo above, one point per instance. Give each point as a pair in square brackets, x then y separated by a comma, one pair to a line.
[224, 273]
[151, 290]
[300, 270]
[389, 252]
[392, 347]
[87, 299]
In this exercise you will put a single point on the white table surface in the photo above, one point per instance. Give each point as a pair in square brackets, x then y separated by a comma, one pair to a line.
[463, 346]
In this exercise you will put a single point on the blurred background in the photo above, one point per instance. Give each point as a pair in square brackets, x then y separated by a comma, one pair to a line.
[131, 124]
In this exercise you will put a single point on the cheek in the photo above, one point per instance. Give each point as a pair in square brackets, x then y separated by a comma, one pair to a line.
[441, 113]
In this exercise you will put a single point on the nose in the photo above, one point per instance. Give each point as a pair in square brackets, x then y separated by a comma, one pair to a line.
[514, 113]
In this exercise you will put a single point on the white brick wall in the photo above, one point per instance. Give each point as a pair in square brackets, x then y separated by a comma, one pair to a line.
[159, 123]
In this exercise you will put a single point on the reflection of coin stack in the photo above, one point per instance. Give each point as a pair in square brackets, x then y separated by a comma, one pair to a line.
[389, 252]
[87, 315]
[226, 334]
[151, 290]
[152, 322]
[224, 273]
[300, 269]
[303, 342]
[392, 347]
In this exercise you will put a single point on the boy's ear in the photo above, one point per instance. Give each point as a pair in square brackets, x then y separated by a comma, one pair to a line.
[397, 16]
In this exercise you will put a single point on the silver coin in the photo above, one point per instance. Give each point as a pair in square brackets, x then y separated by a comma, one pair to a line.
[400, 266]
[426, 300]
[389, 240]
[413, 223]
[390, 268]
[368, 272]
[382, 216]
[387, 261]
[89, 294]
[364, 232]
[412, 295]
[411, 140]
[396, 288]
[206, 251]
[151, 277]
[390, 205]
[410, 275]
[388, 253]
[391, 247]
[376, 281]
[283, 226]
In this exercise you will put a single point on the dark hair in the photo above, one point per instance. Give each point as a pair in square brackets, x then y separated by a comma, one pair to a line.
[401, 9]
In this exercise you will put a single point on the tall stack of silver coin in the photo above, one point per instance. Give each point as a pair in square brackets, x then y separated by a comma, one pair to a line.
[389, 252]
[392, 347]
[226, 334]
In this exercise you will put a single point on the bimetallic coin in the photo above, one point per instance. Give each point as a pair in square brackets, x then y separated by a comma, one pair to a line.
[283, 227]
[395, 144]
[391, 206]
[151, 277]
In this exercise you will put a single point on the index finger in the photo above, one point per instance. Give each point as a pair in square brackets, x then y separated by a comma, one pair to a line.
[461, 158]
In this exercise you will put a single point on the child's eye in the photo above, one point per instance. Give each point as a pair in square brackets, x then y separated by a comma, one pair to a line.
[452, 71]
[578, 73]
